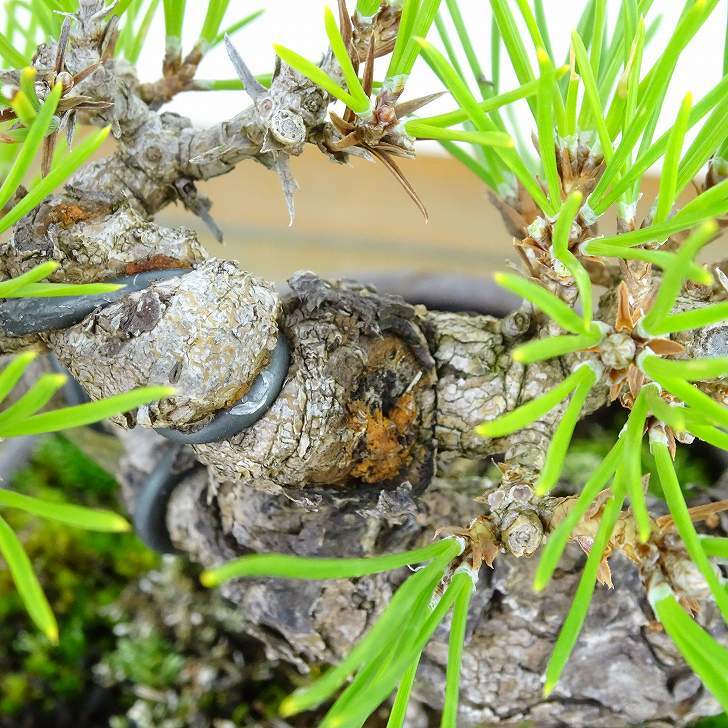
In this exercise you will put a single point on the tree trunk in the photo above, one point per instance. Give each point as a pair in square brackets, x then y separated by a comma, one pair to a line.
[623, 671]
[380, 396]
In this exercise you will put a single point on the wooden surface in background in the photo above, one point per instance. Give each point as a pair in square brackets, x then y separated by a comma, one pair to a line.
[357, 218]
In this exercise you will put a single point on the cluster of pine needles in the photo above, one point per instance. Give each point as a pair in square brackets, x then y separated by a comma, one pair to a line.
[602, 104]
[595, 115]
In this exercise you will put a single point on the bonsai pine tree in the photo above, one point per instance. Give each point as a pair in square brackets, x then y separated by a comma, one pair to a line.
[334, 407]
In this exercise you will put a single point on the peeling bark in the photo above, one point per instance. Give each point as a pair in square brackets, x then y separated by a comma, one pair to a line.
[379, 395]
[511, 629]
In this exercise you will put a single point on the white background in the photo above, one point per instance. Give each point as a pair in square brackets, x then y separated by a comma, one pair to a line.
[298, 24]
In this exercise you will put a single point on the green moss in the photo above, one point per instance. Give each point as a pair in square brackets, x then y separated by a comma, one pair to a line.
[148, 660]
[590, 446]
[141, 643]
[80, 571]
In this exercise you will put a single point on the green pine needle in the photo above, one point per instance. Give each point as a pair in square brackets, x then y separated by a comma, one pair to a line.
[89, 519]
[27, 583]
[591, 93]
[692, 370]
[39, 272]
[533, 26]
[357, 711]
[33, 400]
[426, 14]
[140, 34]
[455, 654]
[294, 567]
[557, 540]
[29, 150]
[383, 631]
[216, 10]
[401, 644]
[711, 411]
[709, 204]
[45, 17]
[341, 53]
[407, 18]
[492, 103]
[420, 130]
[532, 410]
[230, 84]
[415, 21]
[476, 167]
[401, 700]
[572, 98]
[461, 29]
[10, 56]
[13, 372]
[320, 78]
[57, 176]
[495, 53]
[545, 126]
[174, 15]
[601, 198]
[672, 415]
[658, 79]
[681, 518]
[551, 305]
[511, 38]
[235, 27]
[553, 346]
[23, 107]
[697, 318]
[595, 52]
[586, 377]
[57, 290]
[542, 25]
[85, 414]
[27, 85]
[631, 466]
[620, 158]
[708, 433]
[628, 89]
[461, 93]
[560, 242]
[711, 136]
[367, 8]
[674, 277]
[668, 177]
[447, 43]
[122, 6]
[701, 651]
[714, 546]
[660, 258]
[571, 628]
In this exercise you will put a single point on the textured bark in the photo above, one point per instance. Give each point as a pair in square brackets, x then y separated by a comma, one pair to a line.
[623, 670]
[379, 394]
[158, 335]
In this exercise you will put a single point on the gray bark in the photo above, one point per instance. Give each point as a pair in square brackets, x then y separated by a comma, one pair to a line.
[623, 671]
[379, 395]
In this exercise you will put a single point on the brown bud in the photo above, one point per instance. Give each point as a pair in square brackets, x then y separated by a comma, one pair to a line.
[617, 351]
[523, 534]
[66, 80]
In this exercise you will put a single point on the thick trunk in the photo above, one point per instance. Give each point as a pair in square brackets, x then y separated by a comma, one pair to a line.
[379, 396]
[511, 628]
